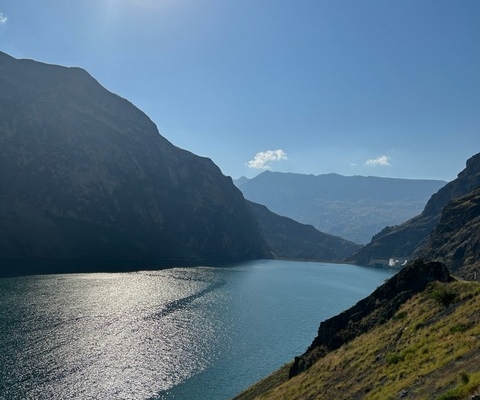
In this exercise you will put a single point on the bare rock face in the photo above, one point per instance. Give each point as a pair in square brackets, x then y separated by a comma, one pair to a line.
[455, 240]
[372, 311]
[403, 241]
[85, 175]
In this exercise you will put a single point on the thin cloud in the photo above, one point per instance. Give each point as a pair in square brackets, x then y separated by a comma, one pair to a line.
[264, 158]
[3, 18]
[381, 160]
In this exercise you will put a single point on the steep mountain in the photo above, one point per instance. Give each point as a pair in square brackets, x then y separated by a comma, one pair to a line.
[415, 337]
[455, 240]
[353, 207]
[287, 238]
[402, 241]
[86, 177]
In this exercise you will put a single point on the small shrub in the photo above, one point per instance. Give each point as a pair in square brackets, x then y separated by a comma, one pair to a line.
[458, 328]
[400, 315]
[395, 358]
[443, 295]
[464, 377]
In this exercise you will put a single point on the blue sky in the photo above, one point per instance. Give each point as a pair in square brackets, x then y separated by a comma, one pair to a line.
[384, 87]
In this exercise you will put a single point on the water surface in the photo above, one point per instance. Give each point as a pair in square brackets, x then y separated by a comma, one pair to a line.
[182, 333]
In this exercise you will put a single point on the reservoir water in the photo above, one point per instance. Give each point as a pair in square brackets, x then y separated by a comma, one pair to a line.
[181, 333]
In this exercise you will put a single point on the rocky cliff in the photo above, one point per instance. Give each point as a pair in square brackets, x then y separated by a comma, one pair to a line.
[455, 240]
[402, 241]
[85, 175]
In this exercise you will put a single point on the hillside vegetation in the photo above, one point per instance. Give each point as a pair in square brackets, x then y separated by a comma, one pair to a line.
[429, 349]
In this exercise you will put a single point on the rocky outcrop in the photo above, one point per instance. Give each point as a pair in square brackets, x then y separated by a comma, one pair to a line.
[403, 241]
[372, 311]
[455, 240]
[287, 238]
[85, 176]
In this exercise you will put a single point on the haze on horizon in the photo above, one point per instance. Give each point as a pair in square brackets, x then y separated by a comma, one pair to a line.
[356, 88]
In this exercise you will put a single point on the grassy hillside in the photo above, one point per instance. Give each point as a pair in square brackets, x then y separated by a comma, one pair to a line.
[430, 349]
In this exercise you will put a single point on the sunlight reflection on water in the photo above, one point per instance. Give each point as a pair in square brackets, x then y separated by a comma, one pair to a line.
[99, 336]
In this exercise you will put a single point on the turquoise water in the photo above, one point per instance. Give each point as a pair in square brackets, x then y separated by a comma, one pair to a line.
[182, 333]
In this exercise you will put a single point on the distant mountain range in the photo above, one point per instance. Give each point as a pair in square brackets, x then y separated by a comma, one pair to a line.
[446, 230]
[87, 183]
[353, 207]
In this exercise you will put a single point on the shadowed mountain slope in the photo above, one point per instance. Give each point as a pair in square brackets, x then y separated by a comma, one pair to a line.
[287, 238]
[88, 183]
[85, 175]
